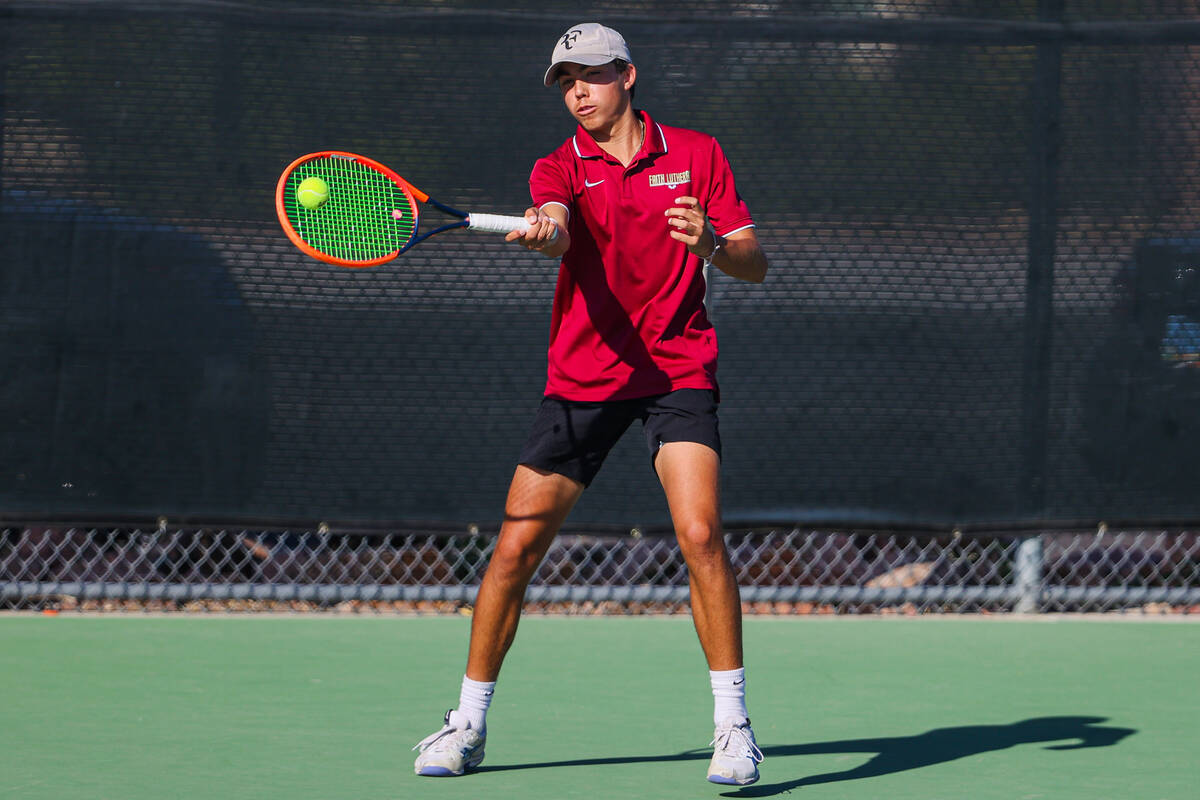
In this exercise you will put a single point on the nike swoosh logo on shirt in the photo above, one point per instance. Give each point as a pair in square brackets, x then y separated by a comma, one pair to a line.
[589, 184]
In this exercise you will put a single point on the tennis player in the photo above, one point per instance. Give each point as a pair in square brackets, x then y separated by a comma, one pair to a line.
[635, 210]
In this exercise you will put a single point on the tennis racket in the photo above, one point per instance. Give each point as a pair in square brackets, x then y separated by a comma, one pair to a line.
[371, 214]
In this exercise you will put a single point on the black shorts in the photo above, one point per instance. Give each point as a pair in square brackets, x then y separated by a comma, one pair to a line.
[573, 438]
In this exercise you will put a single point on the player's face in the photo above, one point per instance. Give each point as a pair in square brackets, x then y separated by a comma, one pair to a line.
[596, 96]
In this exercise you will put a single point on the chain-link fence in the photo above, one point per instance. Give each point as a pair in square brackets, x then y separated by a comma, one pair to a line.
[983, 224]
[781, 570]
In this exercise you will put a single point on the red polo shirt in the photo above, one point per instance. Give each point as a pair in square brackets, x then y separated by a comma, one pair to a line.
[628, 318]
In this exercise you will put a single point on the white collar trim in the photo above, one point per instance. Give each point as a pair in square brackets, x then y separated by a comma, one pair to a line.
[662, 136]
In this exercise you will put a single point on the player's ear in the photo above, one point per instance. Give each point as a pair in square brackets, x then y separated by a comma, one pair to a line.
[629, 78]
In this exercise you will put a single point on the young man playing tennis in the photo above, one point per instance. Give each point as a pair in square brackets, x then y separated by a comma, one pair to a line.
[634, 209]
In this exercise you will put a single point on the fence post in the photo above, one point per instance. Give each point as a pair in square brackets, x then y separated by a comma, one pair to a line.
[1045, 135]
[1039, 292]
[1028, 575]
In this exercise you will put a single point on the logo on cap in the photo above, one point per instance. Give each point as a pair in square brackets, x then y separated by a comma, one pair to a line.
[568, 40]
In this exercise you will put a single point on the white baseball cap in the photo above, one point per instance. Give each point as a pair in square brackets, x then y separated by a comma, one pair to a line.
[590, 44]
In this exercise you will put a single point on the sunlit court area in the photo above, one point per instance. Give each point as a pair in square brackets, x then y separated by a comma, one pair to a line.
[846, 707]
[829, 366]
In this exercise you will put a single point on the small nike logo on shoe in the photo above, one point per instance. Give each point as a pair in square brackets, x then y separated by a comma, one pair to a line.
[589, 184]
[739, 683]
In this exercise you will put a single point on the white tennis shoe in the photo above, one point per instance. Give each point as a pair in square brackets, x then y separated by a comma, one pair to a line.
[453, 750]
[736, 755]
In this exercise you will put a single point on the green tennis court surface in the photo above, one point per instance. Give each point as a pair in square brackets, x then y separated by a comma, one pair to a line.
[290, 708]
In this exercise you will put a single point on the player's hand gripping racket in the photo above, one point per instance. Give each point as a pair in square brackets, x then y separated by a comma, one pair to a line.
[359, 213]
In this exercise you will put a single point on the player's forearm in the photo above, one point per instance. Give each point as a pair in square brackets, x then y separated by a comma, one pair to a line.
[742, 259]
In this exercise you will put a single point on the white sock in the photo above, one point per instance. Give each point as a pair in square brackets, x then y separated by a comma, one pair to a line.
[729, 694]
[473, 702]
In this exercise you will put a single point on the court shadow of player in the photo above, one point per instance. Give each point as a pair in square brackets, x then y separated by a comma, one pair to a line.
[894, 753]
[902, 753]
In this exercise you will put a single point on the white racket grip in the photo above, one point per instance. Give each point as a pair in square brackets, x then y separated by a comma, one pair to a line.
[497, 223]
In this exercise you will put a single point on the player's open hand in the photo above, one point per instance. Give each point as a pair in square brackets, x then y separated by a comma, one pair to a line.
[543, 231]
[691, 226]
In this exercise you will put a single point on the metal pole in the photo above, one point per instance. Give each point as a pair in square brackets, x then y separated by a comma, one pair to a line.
[1028, 576]
[1045, 135]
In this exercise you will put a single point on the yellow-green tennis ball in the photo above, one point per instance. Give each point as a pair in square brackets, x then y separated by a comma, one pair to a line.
[312, 193]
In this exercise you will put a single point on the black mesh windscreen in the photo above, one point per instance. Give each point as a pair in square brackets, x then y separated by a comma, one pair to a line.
[981, 219]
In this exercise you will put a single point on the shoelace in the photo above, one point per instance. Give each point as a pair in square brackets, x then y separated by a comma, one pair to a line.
[439, 739]
[726, 739]
[442, 740]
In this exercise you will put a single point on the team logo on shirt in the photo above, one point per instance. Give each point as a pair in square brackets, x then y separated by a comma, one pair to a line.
[671, 179]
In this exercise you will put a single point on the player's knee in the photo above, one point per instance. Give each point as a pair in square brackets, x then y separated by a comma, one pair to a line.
[701, 540]
[514, 558]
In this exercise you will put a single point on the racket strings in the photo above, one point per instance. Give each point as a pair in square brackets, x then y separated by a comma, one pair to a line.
[366, 216]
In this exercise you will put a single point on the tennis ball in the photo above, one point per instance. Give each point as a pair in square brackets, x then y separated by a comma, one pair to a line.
[312, 193]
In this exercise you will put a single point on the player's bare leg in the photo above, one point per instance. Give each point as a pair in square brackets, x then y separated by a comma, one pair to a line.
[690, 475]
[538, 504]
